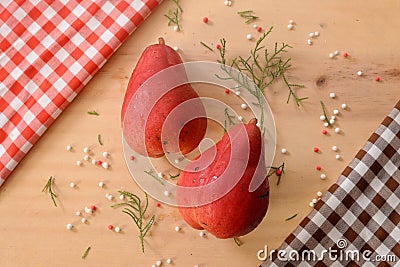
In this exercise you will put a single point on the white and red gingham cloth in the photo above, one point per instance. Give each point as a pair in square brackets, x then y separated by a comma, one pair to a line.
[49, 49]
[360, 212]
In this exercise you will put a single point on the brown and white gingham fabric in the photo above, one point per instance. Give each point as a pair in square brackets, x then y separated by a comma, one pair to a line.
[362, 209]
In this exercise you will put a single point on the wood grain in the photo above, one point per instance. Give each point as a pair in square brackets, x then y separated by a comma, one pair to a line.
[33, 231]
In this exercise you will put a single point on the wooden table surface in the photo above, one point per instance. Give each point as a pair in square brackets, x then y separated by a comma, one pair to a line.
[33, 231]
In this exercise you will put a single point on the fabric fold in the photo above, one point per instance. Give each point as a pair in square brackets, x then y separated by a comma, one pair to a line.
[357, 221]
[49, 50]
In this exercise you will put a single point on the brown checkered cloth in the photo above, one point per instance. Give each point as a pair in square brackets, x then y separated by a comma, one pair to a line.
[360, 212]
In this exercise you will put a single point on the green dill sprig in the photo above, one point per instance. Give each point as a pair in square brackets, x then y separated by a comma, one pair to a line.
[325, 114]
[134, 208]
[260, 71]
[290, 87]
[178, 5]
[173, 176]
[84, 255]
[173, 16]
[291, 217]
[222, 51]
[237, 241]
[248, 15]
[151, 173]
[229, 117]
[264, 70]
[48, 188]
[206, 46]
[279, 171]
[93, 112]
[264, 66]
[99, 139]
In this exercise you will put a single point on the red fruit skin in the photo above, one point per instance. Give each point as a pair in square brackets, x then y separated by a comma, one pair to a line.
[239, 211]
[156, 58]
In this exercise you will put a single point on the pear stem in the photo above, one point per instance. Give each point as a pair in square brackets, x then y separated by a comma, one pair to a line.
[161, 41]
[253, 121]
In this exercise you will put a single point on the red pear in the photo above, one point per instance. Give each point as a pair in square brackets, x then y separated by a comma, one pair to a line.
[150, 102]
[239, 211]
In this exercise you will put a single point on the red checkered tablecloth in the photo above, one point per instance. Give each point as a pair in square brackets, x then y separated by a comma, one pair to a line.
[48, 51]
